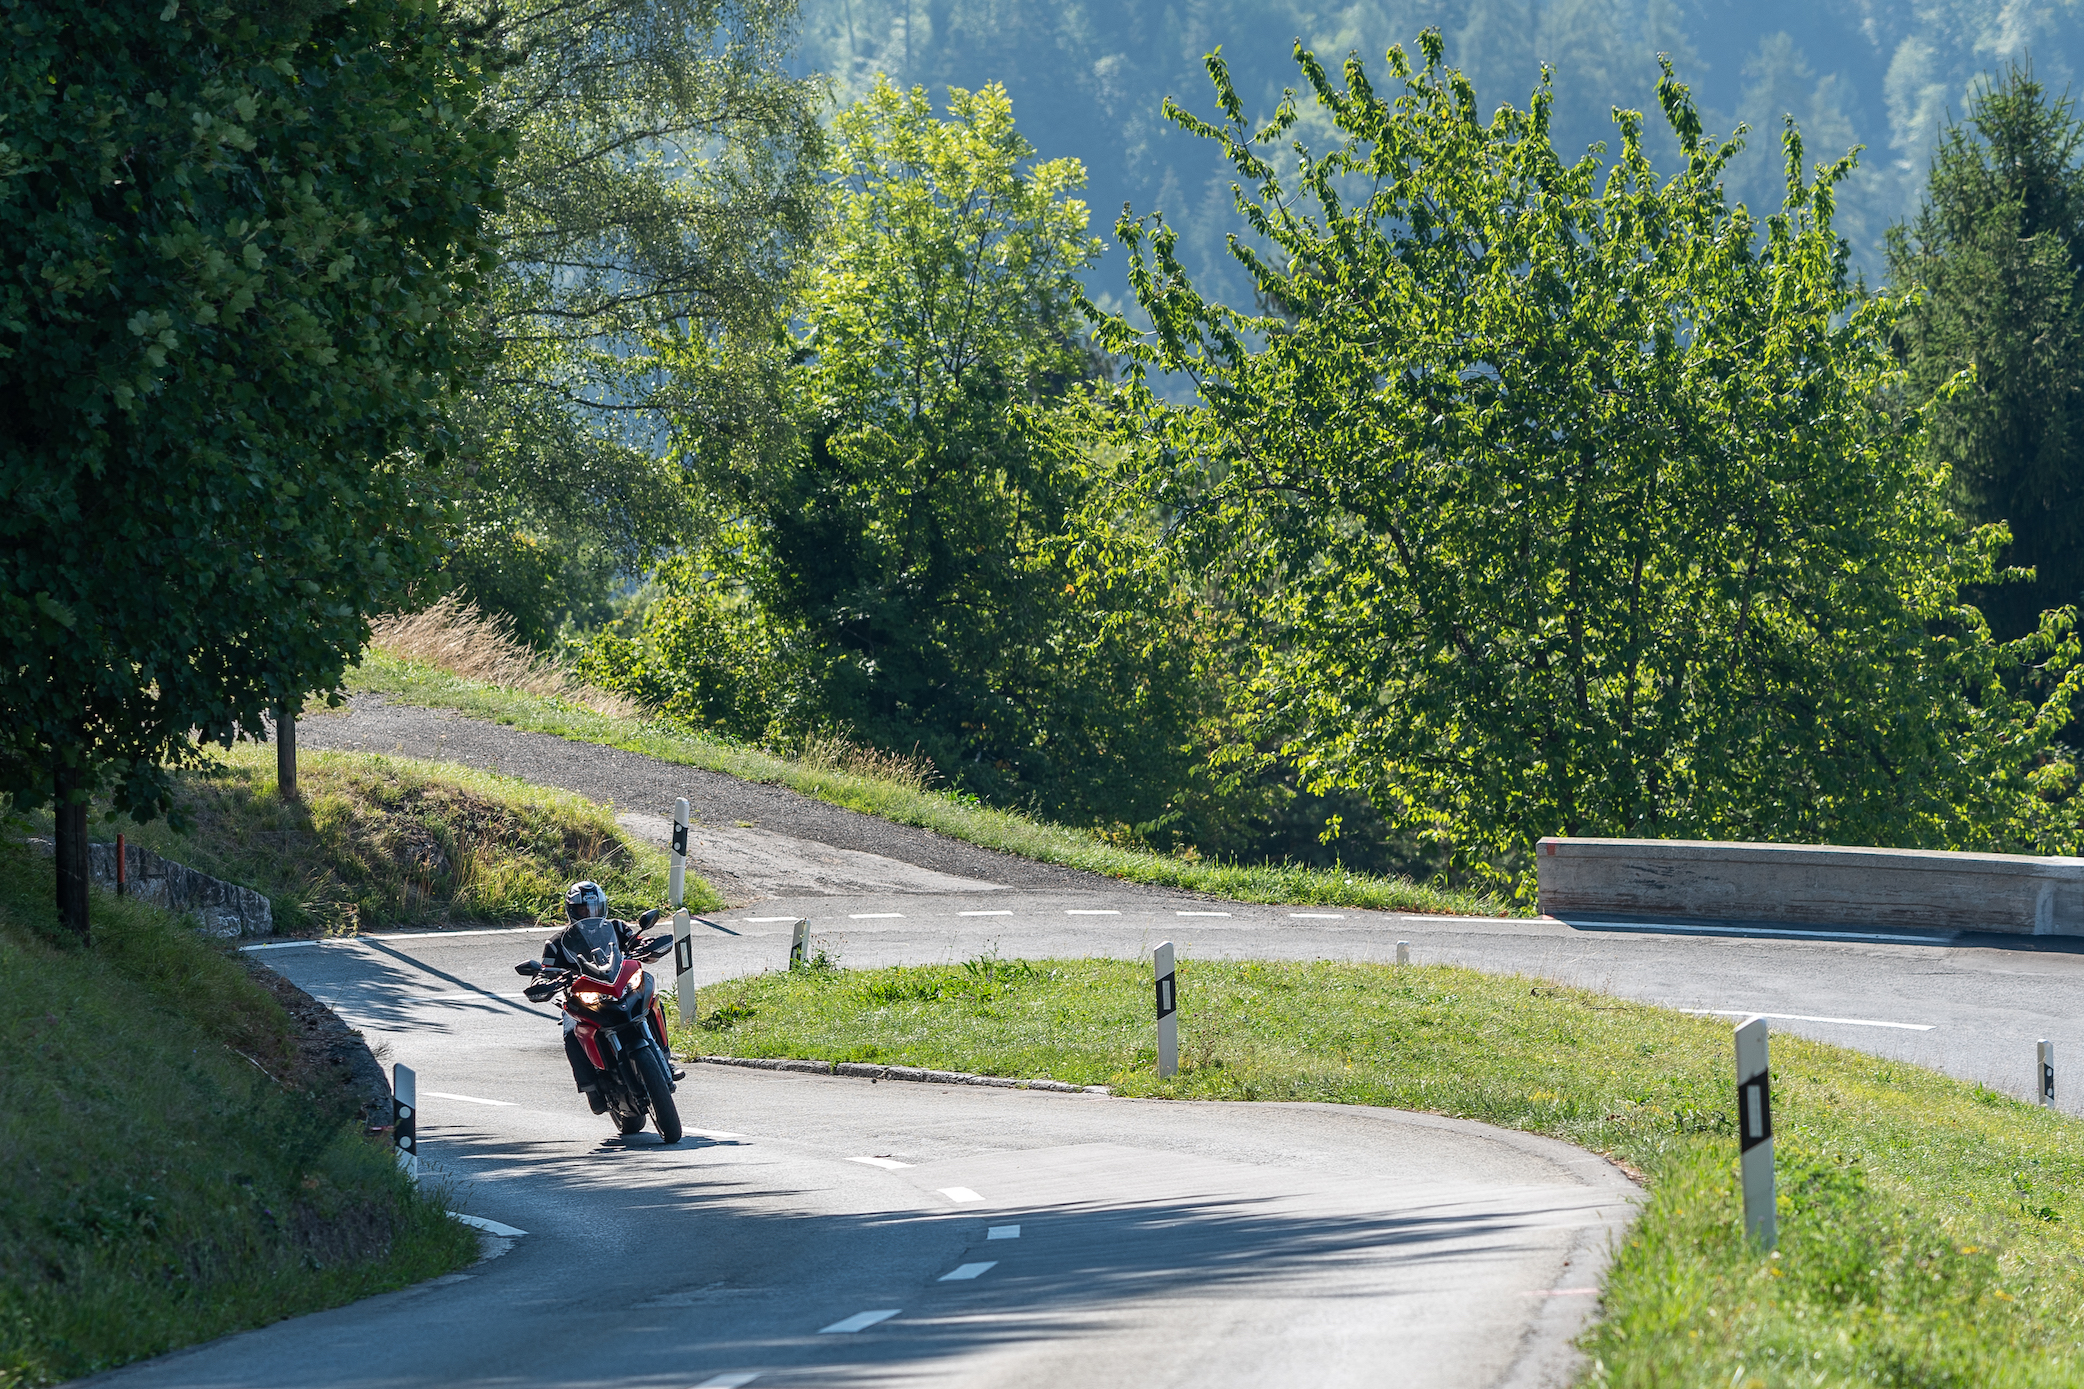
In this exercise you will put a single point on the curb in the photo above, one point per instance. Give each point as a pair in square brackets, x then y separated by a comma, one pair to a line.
[862, 1071]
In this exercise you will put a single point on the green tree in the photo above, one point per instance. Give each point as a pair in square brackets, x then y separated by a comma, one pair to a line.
[240, 247]
[663, 178]
[1566, 501]
[932, 543]
[1997, 252]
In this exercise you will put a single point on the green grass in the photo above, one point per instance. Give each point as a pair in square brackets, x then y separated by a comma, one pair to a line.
[379, 842]
[162, 1186]
[414, 682]
[1932, 1232]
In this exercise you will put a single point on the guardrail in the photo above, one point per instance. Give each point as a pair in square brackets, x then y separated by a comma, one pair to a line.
[1823, 885]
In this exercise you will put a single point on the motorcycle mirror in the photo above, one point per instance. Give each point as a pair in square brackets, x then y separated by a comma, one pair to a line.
[648, 920]
[529, 967]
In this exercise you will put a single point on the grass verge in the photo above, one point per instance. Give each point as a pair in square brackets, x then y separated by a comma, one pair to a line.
[904, 800]
[1931, 1232]
[376, 842]
[174, 1172]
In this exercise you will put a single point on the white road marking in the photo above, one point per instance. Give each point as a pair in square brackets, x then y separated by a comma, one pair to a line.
[880, 1162]
[468, 1099]
[1201, 913]
[984, 913]
[969, 1271]
[1805, 1017]
[734, 1380]
[861, 1320]
[960, 1195]
[402, 935]
[1003, 1232]
[872, 916]
[490, 1227]
[1091, 911]
[1316, 916]
[764, 920]
[1562, 1292]
[276, 945]
[709, 1133]
[476, 996]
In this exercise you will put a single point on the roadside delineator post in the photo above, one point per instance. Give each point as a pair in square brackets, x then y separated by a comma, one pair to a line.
[405, 1119]
[683, 927]
[1167, 988]
[1403, 952]
[799, 943]
[2047, 1085]
[1755, 1134]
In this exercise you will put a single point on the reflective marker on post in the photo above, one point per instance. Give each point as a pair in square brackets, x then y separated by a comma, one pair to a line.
[405, 1119]
[1403, 952]
[676, 882]
[684, 965]
[1755, 1134]
[799, 943]
[2047, 1086]
[1167, 988]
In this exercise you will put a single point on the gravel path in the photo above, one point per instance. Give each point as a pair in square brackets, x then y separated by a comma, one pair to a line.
[632, 781]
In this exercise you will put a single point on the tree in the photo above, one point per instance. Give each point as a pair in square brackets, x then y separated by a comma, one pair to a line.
[930, 543]
[663, 180]
[1997, 253]
[1569, 503]
[241, 242]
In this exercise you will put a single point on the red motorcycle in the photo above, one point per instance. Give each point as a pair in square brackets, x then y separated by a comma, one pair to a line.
[613, 1002]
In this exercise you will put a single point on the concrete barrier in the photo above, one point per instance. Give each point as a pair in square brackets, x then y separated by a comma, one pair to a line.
[1822, 885]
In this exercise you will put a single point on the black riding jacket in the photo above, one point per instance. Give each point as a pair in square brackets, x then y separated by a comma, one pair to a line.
[555, 956]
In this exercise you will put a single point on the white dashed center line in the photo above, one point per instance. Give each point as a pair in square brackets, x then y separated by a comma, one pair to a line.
[960, 1195]
[467, 1099]
[1090, 911]
[1003, 1232]
[1201, 913]
[1315, 916]
[765, 920]
[860, 1320]
[872, 916]
[969, 1271]
[998, 913]
[880, 1162]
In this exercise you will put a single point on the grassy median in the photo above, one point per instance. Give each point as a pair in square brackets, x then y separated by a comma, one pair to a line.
[376, 842]
[1932, 1233]
[883, 787]
[177, 1166]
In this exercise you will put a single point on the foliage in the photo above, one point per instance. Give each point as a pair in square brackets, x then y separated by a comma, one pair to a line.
[177, 1169]
[935, 555]
[1569, 504]
[239, 244]
[662, 181]
[1929, 1228]
[1997, 253]
[861, 784]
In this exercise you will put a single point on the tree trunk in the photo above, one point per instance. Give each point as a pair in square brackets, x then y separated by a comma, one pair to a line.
[72, 852]
[286, 749]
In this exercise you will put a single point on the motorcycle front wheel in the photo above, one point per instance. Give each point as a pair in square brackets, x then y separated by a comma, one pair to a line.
[652, 1067]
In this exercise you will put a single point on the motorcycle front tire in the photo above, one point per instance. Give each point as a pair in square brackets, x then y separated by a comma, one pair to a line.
[652, 1067]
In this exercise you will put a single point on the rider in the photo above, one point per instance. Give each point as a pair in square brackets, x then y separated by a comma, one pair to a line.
[584, 901]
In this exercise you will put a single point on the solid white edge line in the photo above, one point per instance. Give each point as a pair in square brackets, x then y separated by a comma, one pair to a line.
[963, 1273]
[888, 1164]
[469, 1099]
[490, 1227]
[1807, 1017]
[399, 935]
[735, 1380]
[860, 1321]
[1003, 1232]
[960, 1195]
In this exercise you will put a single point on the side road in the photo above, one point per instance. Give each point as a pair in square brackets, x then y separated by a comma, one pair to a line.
[648, 786]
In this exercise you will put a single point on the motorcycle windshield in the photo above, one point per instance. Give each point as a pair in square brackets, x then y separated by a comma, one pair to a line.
[595, 945]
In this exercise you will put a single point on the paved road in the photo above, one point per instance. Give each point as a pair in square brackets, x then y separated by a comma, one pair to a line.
[998, 1238]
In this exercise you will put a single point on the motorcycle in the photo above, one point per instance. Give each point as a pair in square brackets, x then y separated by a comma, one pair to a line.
[613, 1000]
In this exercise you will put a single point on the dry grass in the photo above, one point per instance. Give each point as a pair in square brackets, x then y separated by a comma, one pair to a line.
[456, 636]
[831, 753]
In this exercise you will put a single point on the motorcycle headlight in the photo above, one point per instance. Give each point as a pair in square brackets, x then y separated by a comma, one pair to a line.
[589, 998]
[637, 982]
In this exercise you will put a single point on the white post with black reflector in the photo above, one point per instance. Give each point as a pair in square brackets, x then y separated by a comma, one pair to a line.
[799, 943]
[1403, 952]
[405, 1119]
[1167, 987]
[1755, 1134]
[2047, 1085]
[676, 879]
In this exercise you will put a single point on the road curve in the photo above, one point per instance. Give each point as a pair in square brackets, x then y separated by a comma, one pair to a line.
[828, 1231]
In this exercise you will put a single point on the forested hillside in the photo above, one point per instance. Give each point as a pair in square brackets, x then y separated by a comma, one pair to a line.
[1087, 79]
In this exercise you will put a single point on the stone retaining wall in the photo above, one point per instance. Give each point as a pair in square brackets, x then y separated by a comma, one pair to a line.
[224, 909]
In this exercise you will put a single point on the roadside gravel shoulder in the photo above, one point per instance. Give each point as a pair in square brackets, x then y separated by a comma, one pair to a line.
[631, 781]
